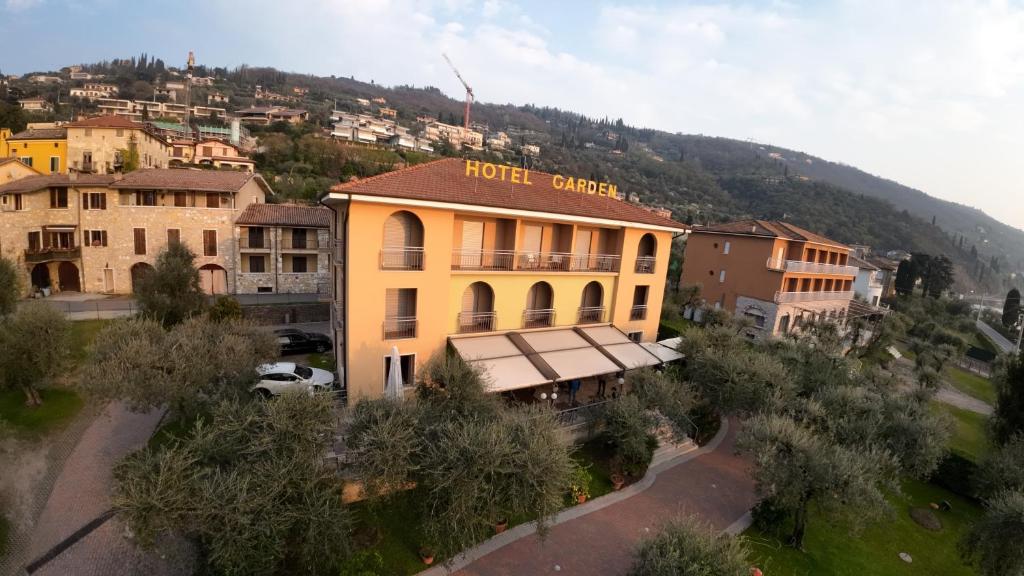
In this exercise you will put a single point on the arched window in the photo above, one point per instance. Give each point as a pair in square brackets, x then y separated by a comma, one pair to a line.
[592, 303]
[403, 242]
[477, 313]
[646, 253]
[539, 306]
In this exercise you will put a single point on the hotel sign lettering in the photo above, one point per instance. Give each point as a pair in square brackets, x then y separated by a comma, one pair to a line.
[500, 172]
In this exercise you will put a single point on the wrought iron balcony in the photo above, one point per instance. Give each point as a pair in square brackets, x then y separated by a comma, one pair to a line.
[477, 322]
[399, 327]
[590, 315]
[638, 312]
[801, 267]
[52, 253]
[645, 264]
[401, 259]
[253, 242]
[533, 261]
[538, 318]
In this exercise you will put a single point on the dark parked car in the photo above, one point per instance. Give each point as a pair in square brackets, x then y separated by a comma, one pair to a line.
[294, 341]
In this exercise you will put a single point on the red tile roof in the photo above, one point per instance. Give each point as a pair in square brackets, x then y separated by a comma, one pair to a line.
[33, 183]
[445, 180]
[183, 179]
[285, 215]
[109, 121]
[41, 134]
[769, 229]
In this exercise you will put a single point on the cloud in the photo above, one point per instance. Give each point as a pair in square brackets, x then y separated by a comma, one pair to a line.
[20, 5]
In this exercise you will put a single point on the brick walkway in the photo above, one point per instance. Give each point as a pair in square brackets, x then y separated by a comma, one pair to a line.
[82, 493]
[713, 483]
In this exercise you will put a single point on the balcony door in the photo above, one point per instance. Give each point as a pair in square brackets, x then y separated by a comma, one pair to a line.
[533, 236]
[581, 249]
[472, 243]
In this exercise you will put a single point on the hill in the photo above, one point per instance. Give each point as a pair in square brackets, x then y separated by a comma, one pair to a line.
[702, 179]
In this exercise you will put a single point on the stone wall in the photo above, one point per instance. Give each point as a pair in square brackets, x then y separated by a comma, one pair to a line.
[288, 313]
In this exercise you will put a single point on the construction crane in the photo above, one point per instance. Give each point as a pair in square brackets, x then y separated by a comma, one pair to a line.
[469, 91]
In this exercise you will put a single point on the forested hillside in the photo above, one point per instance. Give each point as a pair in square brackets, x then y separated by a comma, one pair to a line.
[702, 179]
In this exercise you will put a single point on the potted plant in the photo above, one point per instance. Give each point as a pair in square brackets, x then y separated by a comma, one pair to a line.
[580, 484]
[500, 526]
[427, 555]
[618, 481]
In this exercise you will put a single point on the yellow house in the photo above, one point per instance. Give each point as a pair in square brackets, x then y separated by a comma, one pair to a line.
[532, 281]
[45, 149]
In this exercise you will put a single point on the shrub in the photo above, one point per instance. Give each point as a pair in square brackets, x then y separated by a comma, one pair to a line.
[686, 548]
[993, 543]
[627, 427]
[956, 474]
[225, 308]
[170, 293]
[10, 286]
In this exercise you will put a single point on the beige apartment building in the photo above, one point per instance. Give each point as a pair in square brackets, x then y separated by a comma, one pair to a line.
[100, 232]
[97, 145]
[774, 273]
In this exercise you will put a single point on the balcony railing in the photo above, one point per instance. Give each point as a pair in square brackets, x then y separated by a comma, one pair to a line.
[539, 261]
[590, 315]
[538, 318]
[253, 242]
[48, 253]
[777, 264]
[799, 266]
[645, 264]
[401, 259]
[789, 297]
[307, 243]
[399, 327]
[477, 322]
[638, 312]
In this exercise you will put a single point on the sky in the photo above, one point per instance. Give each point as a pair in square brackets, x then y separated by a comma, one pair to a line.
[929, 93]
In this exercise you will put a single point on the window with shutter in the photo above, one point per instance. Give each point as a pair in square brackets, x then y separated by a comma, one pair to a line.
[213, 200]
[583, 242]
[34, 241]
[180, 199]
[299, 264]
[209, 242]
[140, 240]
[532, 236]
[173, 236]
[257, 264]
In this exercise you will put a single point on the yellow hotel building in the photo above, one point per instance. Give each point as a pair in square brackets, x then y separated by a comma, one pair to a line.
[532, 281]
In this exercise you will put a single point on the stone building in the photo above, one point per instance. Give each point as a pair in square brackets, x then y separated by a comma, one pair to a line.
[100, 232]
[284, 249]
[98, 145]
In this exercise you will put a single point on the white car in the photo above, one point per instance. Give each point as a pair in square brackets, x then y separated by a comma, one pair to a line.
[282, 377]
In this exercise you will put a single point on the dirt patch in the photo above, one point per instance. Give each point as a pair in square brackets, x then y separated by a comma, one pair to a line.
[926, 519]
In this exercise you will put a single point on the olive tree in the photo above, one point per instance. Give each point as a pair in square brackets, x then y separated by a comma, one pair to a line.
[170, 293]
[10, 286]
[472, 460]
[1002, 469]
[188, 367]
[1008, 417]
[249, 485]
[794, 467]
[993, 543]
[684, 547]
[33, 348]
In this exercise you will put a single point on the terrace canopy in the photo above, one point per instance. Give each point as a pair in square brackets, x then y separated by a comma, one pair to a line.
[523, 359]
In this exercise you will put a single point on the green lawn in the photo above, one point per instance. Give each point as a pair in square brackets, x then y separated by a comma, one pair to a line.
[82, 334]
[59, 406]
[832, 550]
[971, 384]
[322, 360]
[970, 438]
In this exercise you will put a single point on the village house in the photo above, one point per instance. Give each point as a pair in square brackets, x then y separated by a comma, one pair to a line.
[283, 249]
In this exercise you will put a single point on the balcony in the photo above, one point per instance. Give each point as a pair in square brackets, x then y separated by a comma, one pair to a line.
[801, 267]
[401, 259]
[52, 253]
[253, 243]
[791, 297]
[538, 318]
[645, 264]
[300, 243]
[470, 322]
[590, 315]
[638, 312]
[399, 327]
[508, 260]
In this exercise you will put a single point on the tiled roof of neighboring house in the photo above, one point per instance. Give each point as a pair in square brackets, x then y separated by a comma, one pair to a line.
[41, 134]
[288, 112]
[109, 121]
[179, 179]
[861, 263]
[33, 99]
[769, 229]
[286, 215]
[255, 110]
[445, 180]
[883, 263]
[33, 183]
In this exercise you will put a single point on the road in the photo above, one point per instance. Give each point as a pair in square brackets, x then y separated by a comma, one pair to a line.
[78, 306]
[1000, 341]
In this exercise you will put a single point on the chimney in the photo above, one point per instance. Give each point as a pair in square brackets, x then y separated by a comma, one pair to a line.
[118, 176]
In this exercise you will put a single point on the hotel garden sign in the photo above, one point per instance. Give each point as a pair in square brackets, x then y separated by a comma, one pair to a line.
[500, 172]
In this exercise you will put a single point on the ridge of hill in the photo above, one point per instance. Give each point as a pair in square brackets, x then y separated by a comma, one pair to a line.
[702, 179]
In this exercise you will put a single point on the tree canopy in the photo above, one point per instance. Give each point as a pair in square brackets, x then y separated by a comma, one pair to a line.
[170, 293]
